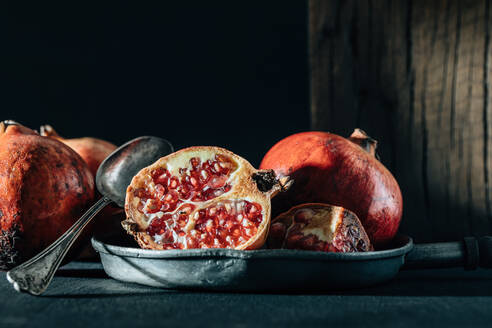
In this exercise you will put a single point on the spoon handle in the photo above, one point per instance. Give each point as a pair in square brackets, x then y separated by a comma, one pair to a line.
[35, 275]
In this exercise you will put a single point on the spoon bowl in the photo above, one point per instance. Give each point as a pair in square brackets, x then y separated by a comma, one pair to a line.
[116, 172]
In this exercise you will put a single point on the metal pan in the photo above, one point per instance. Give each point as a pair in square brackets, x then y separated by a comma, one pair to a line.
[281, 270]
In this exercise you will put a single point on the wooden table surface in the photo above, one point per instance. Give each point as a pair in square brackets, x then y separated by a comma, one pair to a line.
[81, 295]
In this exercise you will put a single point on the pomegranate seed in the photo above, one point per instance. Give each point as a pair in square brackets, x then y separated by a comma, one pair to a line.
[195, 162]
[173, 183]
[204, 174]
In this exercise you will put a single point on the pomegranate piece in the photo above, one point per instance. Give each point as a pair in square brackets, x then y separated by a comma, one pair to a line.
[201, 197]
[319, 227]
[44, 188]
[330, 169]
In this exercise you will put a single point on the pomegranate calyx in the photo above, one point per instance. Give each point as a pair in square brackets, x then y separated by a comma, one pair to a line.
[361, 138]
[5, 124]
[48, 131]
[268, 182]
[129, 225]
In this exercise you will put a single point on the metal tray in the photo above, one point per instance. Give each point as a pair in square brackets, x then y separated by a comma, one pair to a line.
[253, 271]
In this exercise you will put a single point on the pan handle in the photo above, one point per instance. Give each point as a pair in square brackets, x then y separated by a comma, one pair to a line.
[470, 253]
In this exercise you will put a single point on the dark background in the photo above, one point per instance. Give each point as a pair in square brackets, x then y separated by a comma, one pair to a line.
[232, 74]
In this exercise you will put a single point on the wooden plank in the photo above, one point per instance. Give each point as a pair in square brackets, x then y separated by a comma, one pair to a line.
[415, 76]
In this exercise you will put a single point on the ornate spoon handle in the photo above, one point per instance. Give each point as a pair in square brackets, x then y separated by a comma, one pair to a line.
[35, 275]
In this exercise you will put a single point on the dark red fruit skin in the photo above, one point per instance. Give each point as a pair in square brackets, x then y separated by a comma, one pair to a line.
[328, 168]
[93, 151]
[45, 187]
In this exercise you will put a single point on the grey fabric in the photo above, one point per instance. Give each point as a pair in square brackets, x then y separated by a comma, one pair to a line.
[81, 295]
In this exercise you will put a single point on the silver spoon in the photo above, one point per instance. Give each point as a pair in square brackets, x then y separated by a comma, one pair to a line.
[113, 177]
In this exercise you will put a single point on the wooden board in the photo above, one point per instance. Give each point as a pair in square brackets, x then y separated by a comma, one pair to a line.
[416, 76]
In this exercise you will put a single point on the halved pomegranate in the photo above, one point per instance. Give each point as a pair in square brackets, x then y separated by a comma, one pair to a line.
[319, 227]
[201, 197]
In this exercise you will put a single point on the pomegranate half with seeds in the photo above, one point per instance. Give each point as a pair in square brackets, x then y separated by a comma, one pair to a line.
[201, 197]
[319, 227]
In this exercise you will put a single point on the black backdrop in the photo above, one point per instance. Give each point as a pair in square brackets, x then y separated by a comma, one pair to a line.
[232, 74]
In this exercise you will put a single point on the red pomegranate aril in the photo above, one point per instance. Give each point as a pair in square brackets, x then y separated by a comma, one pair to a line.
[204, 176]
[160, 176]
[195, 162]
[160, 190]
[173, 183]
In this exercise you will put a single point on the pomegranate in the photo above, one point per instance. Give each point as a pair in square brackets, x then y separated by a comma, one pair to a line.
[45, 187]
[319, 227]
[93, 151]
[330, 169]
[201, 197]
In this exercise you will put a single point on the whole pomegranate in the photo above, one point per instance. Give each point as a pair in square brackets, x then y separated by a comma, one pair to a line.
[327, 168]
[319, 227]
[44, 188]
[93, 151]
[201, 197]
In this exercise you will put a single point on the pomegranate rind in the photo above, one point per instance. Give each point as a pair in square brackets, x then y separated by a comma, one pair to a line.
[243, 187]
[334, 225]
[45, 187]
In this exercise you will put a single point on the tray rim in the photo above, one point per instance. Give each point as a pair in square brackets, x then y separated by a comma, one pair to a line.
[133, 252]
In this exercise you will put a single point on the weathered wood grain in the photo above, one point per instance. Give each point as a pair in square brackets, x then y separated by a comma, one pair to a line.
[415, 75]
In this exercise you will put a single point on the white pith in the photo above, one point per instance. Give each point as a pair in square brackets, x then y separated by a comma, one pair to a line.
[317, 224]
[314, 228]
